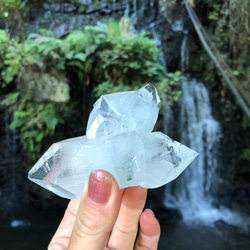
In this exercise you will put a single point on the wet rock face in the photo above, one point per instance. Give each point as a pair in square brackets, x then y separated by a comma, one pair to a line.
[68, 15]
[66, 6]
[83, 6]
[65, 16]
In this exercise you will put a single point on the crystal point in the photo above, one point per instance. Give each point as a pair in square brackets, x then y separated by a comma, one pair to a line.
[123, 112]
[118, 139]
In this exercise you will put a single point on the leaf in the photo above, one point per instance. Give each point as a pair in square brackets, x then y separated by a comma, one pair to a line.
[40, 137]
[51, 122]
[16, 124]
[80, 56]
[20, 114]
[70, 55]
[76, 64]
[177, 73]
[10, 99]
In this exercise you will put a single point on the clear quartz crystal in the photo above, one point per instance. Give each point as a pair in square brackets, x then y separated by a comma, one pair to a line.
[123, 112]
[118, 140]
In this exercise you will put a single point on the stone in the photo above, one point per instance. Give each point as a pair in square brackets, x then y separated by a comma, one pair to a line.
[119, 140]
[84, 2]
[46, 6]
[55, 7]
[44, 86]
[125, 24]
[69, 8]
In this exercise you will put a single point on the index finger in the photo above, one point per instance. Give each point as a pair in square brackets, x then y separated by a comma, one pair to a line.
[97, 212]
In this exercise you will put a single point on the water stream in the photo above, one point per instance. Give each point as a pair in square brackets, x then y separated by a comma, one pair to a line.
[10, 140]
[184, 54]
[201, 132]
[10, 163]
[9, 144]
[191, 193]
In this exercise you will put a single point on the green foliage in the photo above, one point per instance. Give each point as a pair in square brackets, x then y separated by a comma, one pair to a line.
[227, 26]
[12, 13]
[245, 123]
[245, 154]
[7, 50]
[36, 121]
[8, 6]
[98, 57]
[4, 40]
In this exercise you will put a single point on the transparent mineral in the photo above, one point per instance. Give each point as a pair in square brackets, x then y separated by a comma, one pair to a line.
[119, 140]
[123, 112]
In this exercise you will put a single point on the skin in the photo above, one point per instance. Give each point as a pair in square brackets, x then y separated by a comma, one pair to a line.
[97, 223]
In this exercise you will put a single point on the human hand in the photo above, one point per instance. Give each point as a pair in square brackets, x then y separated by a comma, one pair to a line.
[107, 218]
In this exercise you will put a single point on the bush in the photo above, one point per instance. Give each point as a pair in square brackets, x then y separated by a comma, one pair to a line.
[98, 59]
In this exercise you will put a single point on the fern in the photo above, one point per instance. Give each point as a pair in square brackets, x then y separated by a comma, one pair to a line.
[98, 56]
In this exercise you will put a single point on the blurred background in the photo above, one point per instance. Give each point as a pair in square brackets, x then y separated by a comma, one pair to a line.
[58, 56]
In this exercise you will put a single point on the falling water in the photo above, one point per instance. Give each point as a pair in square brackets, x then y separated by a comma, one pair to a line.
[13, 147]
[177, 26]
[8, 162]
[11, 142]
[200, 131]
[184, 57]
[158, 42]
[8, 165]
[191, 193]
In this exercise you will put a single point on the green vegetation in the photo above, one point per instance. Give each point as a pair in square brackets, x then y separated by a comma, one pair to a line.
[45, 81]
[12, 13]
[227, 23]
[9, 6]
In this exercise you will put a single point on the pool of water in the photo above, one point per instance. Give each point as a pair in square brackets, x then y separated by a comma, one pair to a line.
[179, 236]
[30, 228]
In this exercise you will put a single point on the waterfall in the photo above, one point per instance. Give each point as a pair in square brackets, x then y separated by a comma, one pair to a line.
[201, 132]
[158, 43]
[184, 57]
[7, 165]
[8, 168]
[191, 192]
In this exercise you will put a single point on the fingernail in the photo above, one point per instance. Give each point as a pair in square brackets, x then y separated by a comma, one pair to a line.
[99, 187]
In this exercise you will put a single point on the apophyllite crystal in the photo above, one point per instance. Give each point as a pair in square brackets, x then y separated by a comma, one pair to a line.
[119, 140]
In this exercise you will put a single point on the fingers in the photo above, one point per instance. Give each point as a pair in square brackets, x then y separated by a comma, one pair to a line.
[125, 229]
[149, 231]
[97, 212]
[96, 215]
[64, 231]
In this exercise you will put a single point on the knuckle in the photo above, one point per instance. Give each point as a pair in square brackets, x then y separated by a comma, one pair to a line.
[127, 230]
[89, 224]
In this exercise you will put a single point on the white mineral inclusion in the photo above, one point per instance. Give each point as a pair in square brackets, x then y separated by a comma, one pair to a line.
[119, 140]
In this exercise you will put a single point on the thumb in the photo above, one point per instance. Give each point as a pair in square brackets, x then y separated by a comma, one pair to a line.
[97, 212]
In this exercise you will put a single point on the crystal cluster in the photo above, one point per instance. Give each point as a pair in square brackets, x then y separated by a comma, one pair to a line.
[119, 139]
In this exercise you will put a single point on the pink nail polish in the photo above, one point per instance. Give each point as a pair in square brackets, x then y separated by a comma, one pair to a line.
[99, 187]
